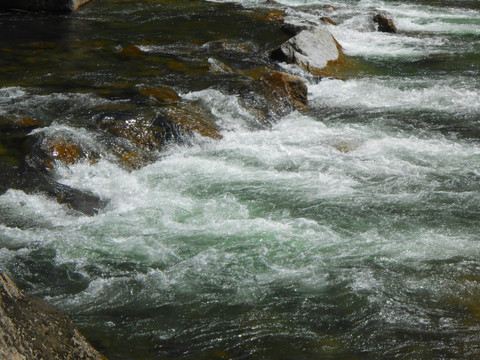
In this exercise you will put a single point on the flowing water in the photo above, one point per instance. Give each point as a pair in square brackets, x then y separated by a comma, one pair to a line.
[349, 231]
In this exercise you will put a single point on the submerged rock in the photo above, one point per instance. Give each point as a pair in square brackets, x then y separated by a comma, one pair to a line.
[31, 328]
[32, 181]
[163, 95]
[132, 51]
[43, 5]
[285, 92]
[18, 123]
[313, 49]
[273, 15]
[384, 23]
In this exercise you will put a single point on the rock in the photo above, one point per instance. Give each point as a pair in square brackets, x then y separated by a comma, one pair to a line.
[274, 16]
[31, 328]
[82, 201]
[192, 118]
[48, 151]
[329, 7]
[385, 24]
[218, 66]
[31, 181]
[293, 29]
[132, 51]
[138, 132]
[328, 20]
[313, 49]
[64, 151]
[43, 5]
[163, 95]
[18, 123]
[285, 92]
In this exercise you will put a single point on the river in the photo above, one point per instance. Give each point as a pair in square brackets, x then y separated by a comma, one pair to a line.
[350, 231]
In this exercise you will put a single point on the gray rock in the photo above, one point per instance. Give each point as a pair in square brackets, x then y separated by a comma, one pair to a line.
[311, 49]
[31, 328]
[43, 5]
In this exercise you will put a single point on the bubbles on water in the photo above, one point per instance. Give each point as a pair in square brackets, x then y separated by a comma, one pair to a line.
[449, 95]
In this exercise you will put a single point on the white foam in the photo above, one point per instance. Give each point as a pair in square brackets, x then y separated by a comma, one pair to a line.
[450, 95]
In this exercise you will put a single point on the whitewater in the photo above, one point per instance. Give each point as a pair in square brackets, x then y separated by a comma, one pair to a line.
[347, 231]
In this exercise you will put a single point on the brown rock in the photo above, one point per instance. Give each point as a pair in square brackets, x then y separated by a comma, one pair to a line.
[328, 20]
[63, 151]
[384, 23]
[18, 123]
[31, 328]
[329, 7]
[132, 51]
[276, 15]
[132, 160]
[164, 95]
[192, 118]
[48, 151]
[285, 92]
[137, 132]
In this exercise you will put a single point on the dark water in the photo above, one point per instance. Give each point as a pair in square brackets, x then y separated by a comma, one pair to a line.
[348, 231]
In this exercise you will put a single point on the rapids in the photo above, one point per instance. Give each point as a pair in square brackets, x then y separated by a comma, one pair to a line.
[348, 231]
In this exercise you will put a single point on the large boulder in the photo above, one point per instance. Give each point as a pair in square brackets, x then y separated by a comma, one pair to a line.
[313, 49]
[43, 5]
[31, 328]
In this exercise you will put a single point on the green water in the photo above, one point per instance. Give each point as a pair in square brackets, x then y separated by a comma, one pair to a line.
[349, 231]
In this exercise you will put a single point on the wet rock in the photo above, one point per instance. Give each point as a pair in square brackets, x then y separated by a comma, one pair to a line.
[293, 29]
[32, 181]
[273, 16]
[140, 133]
[82, 201]
[131, 51]
[218, 66]
[329, 7]
[132, 160]
[163, 95]
[285, 92]
[43, 5]
[18, 123]
[29, 171]
[13, 137]
[384, 23]
[64, 151]
[192, 118]
[313, 49]
[31, 328]
[48, 151]
[137, 142]
[328, 20]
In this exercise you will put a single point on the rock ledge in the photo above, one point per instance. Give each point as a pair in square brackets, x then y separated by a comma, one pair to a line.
[31, 328]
